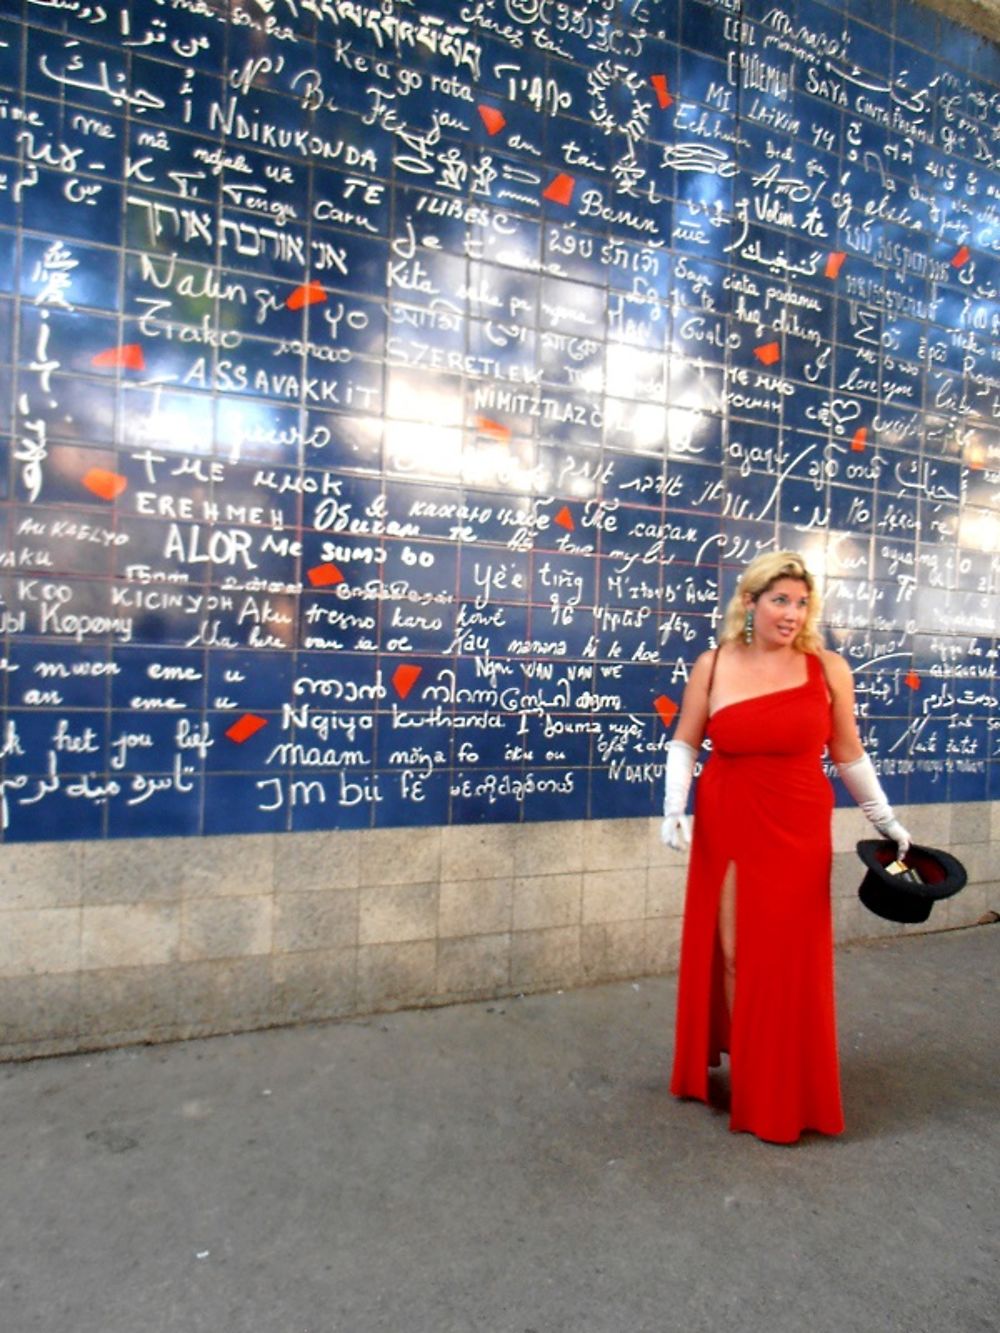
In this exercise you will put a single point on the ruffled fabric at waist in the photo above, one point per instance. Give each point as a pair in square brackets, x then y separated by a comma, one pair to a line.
[750, 779]
[811, 758]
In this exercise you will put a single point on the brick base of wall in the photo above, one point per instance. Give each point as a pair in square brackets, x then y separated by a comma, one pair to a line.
[110, 943]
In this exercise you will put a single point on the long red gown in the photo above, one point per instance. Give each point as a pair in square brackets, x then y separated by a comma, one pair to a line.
[764, 803]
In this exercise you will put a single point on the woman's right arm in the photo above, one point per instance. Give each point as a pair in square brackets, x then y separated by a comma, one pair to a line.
[694, 706]
[675, 830]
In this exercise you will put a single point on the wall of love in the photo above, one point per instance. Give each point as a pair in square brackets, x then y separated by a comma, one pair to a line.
[392, 390]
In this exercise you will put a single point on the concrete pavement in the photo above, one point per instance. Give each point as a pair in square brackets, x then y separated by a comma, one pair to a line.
[513, 1167]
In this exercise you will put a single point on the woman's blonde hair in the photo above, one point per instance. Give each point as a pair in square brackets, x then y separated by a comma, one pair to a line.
[759, 575]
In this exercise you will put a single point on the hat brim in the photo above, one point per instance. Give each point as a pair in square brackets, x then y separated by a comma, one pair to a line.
[901, 900]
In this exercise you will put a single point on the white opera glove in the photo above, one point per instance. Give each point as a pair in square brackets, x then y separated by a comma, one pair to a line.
[675, 830]
[861, 780]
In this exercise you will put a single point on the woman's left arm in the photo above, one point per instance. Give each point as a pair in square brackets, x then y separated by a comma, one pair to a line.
[845, 743]
[857, 772]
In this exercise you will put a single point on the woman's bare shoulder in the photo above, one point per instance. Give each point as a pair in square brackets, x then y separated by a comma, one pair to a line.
[837, 669]
[700, 673]
[703, 663]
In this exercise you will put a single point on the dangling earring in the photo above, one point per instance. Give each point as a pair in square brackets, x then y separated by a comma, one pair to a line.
[748, 627]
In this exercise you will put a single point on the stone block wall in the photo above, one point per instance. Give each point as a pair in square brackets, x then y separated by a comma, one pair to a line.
[109, 943]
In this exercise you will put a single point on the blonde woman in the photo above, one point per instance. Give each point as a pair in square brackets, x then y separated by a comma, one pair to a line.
[756, 975]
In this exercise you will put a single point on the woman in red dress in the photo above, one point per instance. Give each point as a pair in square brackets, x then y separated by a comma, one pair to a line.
[756, 974]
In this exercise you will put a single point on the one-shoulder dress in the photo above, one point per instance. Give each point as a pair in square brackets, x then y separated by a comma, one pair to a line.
[764, 803]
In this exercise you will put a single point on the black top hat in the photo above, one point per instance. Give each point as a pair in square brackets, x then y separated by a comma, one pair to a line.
[899, 898]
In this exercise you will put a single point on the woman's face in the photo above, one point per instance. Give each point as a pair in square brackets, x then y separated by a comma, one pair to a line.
[780, 612]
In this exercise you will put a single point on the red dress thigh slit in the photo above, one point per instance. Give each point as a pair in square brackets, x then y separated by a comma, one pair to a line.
[764, 803]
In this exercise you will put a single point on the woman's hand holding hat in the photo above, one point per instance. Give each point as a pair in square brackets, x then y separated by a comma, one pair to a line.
[675, 830]
[895, 832]
[861, 780]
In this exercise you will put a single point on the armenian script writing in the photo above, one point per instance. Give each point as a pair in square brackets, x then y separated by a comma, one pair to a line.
[392, 392]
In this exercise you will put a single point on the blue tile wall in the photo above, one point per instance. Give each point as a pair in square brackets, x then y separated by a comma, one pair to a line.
[391, 392]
